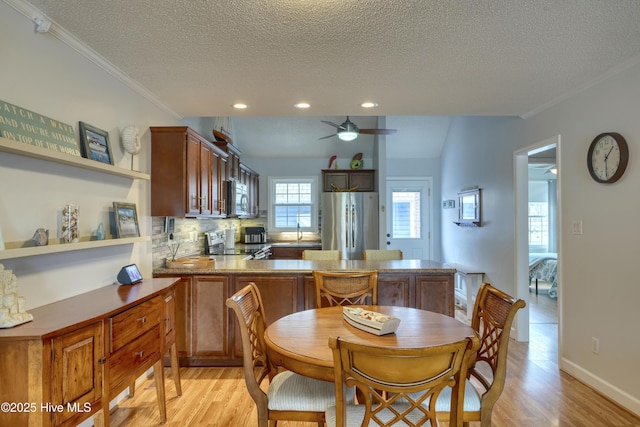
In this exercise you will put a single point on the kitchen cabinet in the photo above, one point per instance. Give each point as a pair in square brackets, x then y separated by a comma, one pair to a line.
[185, 175]
[435, 293]
[233, 162]
[211, 328]
[250, 178]
[210, 318]
[79, 353]
[290, 251]
[344, 179]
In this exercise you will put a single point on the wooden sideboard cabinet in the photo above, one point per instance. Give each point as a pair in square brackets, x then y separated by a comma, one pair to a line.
[79, 353]
[343, 179]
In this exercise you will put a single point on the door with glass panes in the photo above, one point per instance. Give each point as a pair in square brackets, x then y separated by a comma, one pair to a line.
[408, 217]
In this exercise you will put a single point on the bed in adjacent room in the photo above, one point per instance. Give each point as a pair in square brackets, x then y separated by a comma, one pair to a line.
[544, 266]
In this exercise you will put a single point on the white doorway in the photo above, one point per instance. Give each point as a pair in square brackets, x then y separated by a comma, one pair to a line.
[522, 159]
[409, 217]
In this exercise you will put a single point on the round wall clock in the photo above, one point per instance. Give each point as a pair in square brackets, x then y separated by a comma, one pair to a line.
[608, 157]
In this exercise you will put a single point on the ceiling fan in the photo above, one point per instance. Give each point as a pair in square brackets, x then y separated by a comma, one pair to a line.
[348, 131]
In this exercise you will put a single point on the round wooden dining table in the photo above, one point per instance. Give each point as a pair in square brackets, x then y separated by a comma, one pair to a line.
[299, 342]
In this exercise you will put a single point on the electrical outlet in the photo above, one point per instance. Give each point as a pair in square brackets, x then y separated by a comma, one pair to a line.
[595, 345]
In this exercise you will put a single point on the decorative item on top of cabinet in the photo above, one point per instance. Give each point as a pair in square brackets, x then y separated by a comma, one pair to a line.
[345, 179]
[186, 175]
[12, 306]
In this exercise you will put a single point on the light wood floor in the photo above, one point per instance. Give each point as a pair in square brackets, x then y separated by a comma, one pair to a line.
[536, 393]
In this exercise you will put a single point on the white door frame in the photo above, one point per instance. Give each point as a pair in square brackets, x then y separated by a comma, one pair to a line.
[429, 207]
[521, 199]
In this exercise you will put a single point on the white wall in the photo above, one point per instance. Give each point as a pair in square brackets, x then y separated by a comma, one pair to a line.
[42, 74]
[599, 285]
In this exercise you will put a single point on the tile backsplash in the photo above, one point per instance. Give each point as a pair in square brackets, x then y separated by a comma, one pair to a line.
[188, 235]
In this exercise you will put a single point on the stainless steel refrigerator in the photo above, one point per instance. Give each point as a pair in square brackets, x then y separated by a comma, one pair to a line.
[349, 222]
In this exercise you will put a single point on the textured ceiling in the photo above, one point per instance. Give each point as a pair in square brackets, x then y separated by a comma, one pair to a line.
[412, 57]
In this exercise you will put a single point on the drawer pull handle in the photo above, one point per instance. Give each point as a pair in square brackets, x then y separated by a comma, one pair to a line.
[140, 354]
[142, 319]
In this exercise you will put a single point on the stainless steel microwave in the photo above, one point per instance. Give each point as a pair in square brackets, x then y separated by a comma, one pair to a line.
[238, 198]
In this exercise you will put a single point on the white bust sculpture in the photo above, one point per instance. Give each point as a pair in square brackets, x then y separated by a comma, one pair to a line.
[12, 306]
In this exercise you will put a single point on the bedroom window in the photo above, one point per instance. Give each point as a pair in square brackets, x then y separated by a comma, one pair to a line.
[539, 225]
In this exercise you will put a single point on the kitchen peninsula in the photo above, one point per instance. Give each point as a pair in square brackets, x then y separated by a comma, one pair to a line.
[207, 335]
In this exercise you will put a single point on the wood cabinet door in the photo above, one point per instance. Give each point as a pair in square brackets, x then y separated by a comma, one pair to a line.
[77, 371]
[279, 295]
[192, 177]
[217, 184]
[365, 180]
[205, 179]
[435, 293]
[394, 290]
[279, 252]
[335, 180]
[210, 316]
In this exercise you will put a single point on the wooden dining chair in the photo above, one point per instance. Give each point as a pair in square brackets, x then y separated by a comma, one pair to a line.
[381, 254]
[345, 288]
[493, 314]
[289, 396]
[397, 386]
[321, 255]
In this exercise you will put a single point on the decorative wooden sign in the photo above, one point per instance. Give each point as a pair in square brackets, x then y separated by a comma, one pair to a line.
[31, 128]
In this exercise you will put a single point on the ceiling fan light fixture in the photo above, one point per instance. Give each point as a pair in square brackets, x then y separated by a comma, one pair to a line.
[346, 135]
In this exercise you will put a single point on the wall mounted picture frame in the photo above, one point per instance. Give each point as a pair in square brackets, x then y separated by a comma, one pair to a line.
[94, 144]
[126, 219]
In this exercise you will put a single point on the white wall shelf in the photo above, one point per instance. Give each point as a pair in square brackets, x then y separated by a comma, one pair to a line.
[22, 149]
[14, 250]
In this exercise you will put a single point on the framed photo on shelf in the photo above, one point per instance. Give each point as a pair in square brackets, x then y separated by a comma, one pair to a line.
[94, 144]
[126, 219]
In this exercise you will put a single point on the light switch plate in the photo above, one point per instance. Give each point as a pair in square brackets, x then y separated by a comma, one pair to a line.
[576, 228]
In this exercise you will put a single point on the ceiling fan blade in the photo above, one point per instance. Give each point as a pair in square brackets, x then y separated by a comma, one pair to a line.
[379, 131]
[328, 136]
[332, 124]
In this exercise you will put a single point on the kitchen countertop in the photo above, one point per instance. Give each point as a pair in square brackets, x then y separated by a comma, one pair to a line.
[305, 266]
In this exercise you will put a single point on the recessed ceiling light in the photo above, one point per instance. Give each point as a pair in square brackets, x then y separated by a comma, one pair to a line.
[240, 106]
[302, 105]
[368, 105]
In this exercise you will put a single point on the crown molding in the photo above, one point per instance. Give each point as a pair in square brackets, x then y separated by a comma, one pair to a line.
[76, 44]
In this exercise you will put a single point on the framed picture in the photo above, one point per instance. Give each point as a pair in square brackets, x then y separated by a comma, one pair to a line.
[94, 144]
[126, 218]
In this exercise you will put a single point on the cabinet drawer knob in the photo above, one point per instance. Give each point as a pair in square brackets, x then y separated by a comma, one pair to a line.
[140, 354]
[142, 319]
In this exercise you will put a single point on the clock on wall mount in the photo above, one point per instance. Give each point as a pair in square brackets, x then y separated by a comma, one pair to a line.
[608, 157]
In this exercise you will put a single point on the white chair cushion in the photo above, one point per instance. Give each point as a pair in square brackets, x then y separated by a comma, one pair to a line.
[355, 415]
[471, 399]
[292, 392]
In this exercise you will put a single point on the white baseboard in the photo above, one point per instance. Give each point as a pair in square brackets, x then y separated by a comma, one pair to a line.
[610, 391]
